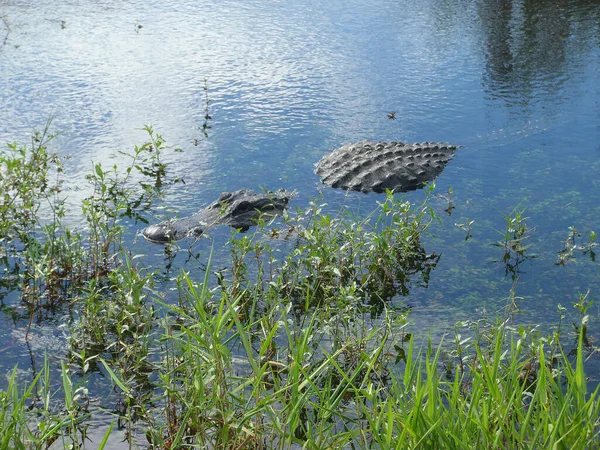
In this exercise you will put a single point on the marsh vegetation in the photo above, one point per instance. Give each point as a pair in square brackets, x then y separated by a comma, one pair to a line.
[299, 339]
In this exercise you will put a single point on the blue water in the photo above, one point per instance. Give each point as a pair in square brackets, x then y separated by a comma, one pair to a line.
[517, 83]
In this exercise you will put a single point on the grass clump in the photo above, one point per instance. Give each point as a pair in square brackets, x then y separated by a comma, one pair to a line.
[32, 417]
[336, 261]
[235, 381]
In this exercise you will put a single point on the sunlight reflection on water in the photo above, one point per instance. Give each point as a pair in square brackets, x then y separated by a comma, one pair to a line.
[516, 83]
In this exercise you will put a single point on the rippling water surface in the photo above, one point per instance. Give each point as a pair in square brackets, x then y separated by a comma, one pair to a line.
[515, 82]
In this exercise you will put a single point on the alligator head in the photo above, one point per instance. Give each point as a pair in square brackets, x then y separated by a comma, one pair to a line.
[239, 209]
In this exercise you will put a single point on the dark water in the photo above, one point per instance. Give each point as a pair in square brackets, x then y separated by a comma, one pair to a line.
[517, 83]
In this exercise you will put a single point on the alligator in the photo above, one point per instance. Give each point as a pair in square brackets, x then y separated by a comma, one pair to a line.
[379, 166]
[364, 166]
[239, 209]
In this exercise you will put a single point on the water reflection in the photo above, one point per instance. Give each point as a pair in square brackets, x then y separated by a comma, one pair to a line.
[529, 46]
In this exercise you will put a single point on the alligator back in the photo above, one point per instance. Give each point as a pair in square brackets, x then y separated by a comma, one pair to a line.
[377, 166]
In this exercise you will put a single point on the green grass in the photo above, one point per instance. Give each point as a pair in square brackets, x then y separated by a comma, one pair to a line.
[276, 383]
[299, 343]
[302, 391]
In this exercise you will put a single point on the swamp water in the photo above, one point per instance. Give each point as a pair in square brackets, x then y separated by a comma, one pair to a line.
[516, 83]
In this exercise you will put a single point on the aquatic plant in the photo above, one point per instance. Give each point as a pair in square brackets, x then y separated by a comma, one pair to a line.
[32, 416]
[375, 258]
[49, 261]
[39, 254]
[303, 339]
[571, 246]
[207, 116]
[514, 242]
[466, 226]
[269, 380]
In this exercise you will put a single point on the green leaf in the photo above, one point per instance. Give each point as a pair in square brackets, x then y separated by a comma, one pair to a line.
[98, 169]
[106, 436]
[114, 377]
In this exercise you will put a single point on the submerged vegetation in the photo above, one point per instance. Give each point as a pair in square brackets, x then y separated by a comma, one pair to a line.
[301, 341]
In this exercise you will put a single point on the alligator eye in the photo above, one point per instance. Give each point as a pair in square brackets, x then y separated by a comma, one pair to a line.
[196, 232]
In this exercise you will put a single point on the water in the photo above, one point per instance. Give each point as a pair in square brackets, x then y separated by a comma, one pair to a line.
[517, 83]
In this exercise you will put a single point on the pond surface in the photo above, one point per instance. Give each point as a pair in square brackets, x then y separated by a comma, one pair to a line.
[516, 83]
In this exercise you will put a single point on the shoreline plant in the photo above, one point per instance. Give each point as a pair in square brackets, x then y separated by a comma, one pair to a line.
[301, 342]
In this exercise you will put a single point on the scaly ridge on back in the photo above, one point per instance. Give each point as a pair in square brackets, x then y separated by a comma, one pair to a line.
[376, 166]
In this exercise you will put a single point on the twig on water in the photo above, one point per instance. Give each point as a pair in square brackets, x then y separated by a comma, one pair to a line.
[3, 43]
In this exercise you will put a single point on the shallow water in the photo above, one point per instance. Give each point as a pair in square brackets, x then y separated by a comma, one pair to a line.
[517, 83]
